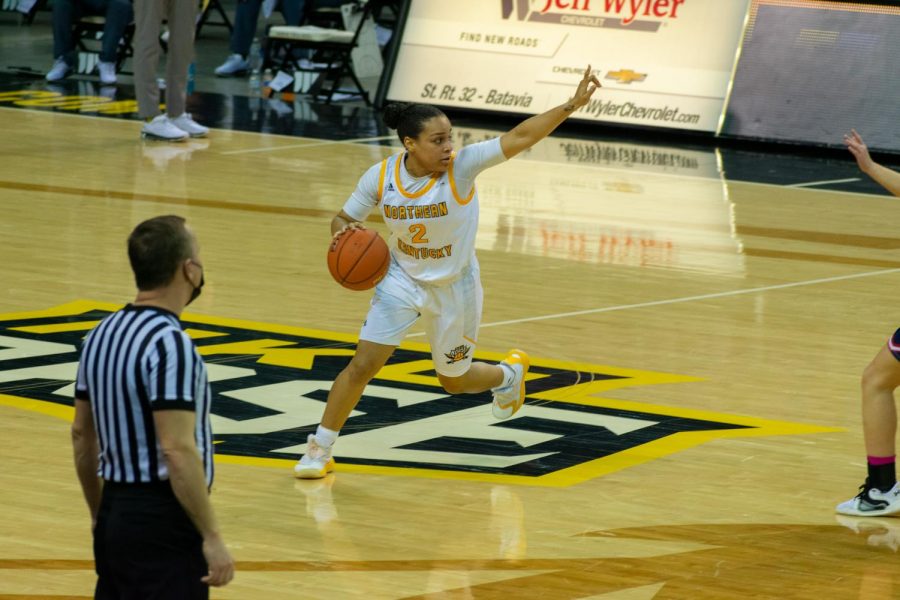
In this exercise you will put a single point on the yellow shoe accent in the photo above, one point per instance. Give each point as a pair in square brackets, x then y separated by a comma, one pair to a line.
[316, 463]
[304, 472]
[508, 404]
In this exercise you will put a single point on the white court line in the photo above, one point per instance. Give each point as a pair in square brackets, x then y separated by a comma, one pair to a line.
[685, 299]
[311, 144]
[812, 183]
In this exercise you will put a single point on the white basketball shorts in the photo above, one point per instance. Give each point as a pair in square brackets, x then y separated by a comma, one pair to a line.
[451, 314]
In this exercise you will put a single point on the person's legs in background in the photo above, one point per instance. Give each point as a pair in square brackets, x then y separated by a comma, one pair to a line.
[64, 14]
[148, 15]
[118, 14]
[182, 15]
[245, 17]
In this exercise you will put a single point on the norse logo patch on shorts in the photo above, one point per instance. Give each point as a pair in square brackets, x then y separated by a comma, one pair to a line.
[270, 384]
[459, 353]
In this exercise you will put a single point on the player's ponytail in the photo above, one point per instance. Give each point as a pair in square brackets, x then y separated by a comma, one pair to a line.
[408, 118]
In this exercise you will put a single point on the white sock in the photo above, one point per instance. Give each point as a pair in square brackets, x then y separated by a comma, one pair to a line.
[508, 375]
[326, 437]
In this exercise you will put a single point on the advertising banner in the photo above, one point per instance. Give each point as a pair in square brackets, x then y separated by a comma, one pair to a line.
[663, 63]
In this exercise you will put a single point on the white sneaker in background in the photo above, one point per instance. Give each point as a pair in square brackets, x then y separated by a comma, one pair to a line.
[161, 128]
[59, 70]
[233, 65]
[189, 126]
[316, 463]
[107, 72]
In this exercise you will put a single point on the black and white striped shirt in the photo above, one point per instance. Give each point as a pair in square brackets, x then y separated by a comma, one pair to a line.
[136, 361]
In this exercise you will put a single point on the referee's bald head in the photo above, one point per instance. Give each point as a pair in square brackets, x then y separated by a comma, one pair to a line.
[156, 249]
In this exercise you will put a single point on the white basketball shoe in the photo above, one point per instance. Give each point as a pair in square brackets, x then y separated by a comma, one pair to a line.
[508, 400]
[316, 463]
[872, 502]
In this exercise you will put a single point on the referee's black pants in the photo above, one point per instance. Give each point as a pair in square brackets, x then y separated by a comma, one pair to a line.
[145, 546]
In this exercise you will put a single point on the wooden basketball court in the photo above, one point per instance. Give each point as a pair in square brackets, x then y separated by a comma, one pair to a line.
[698, 344]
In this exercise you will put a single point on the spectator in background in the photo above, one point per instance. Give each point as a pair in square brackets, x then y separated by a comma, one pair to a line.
[181, 15]
[118, 14]
[245, 22]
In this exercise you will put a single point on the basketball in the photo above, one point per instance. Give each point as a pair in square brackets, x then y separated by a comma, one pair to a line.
[358, 259]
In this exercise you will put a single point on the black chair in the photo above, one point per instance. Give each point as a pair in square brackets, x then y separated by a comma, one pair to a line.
[88, 33]
[206, 11]
[331, 53]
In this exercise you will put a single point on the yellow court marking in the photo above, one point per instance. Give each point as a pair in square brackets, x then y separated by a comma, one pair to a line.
[58, 327]
[284, 353]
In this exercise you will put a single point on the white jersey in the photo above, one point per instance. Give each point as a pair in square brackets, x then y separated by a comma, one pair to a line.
[433, 219]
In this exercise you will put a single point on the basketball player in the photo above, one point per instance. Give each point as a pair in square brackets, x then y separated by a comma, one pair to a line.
[428, 199]
[880, 494]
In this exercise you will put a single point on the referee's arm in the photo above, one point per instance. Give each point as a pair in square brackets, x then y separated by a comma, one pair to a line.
[175, 433]
[86, 450]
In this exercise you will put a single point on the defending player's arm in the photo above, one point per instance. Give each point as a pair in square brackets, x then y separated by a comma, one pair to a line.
[529, 132]
[85, 449]
[886, 177]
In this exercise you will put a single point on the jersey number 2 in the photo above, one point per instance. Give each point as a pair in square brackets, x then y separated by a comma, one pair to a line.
[418, 233]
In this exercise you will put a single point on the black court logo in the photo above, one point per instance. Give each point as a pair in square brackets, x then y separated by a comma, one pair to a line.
[270, 384]
[459, 353]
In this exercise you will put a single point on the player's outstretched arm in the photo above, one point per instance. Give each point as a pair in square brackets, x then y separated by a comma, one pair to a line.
[886, 177]
[529, 132]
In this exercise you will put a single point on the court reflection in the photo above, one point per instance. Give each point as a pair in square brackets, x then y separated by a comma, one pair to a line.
[488, 523]
[161, 154]
[606, 202]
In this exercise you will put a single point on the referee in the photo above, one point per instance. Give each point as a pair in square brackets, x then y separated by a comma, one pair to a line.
[141, 436]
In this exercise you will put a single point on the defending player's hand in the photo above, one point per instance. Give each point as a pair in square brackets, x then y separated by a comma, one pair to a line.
[859, 150]
[218, 561]
[586, 88]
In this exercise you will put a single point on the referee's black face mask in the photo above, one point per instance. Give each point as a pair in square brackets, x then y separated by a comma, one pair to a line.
[196, 291]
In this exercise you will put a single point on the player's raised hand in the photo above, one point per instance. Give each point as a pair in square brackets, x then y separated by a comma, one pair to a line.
[859, 150]
[586, 88]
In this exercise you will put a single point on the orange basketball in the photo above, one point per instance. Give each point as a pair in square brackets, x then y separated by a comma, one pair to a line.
[358, 259]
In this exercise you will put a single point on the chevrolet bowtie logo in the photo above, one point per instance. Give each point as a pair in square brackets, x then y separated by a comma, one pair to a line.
[626, 76]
